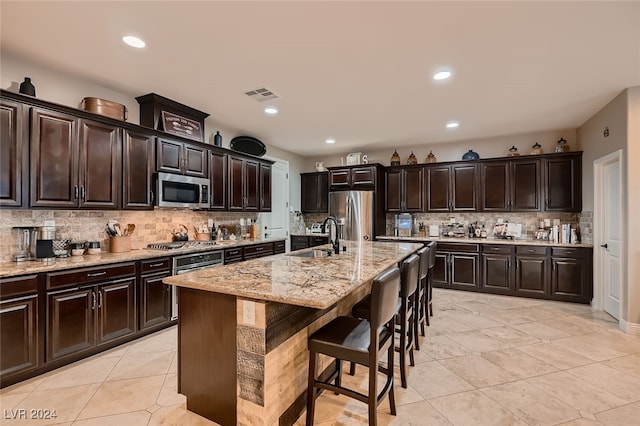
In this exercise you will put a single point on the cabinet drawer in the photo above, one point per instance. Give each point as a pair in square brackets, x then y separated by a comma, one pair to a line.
[232, 255]
[318, 241]
[540, 251]
[18, 286]
[155, 265]
[497, 248]
[89, 275]
[569, 252]
[299, 239]
[279, 247]
[258, 250]
[473, 248]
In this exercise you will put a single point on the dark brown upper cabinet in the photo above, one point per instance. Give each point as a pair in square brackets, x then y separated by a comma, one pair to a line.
[352, 177]
[75, 163]
[175, 156]
[510, 186]
[14, 154]
[563, 182]
[244, 184]
[314, 192]
[265, 187]
[405, 189]
[452, 188]
[138, 162]
[218, 180]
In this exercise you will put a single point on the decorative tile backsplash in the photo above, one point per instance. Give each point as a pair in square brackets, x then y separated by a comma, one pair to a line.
[90, 225]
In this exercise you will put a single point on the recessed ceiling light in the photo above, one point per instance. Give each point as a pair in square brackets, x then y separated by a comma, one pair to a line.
[442, 75]
[330, 140]
[134, 41]
[270, 110]
[452, 124]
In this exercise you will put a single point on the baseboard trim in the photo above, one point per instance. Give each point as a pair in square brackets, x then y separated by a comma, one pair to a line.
[630, 327]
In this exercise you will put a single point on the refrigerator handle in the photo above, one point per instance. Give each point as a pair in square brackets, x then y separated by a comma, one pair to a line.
[347, 225]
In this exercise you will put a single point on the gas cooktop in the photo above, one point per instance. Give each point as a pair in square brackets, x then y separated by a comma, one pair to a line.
[174, 245]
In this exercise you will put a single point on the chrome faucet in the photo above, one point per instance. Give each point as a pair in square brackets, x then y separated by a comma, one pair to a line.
[334, 243]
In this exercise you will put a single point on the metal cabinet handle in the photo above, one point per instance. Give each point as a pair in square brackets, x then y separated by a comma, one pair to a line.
[97, 274]
[530, 250]
[75, 191]
[82, 193]
[259, 248]
[155, 265]
[93, 297]
[100, 300]
[152, 197]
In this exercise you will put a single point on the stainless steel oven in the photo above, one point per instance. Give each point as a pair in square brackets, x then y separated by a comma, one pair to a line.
[189, 263]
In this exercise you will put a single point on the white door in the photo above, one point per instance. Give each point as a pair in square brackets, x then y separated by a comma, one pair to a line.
[276, 223]
[608, 203]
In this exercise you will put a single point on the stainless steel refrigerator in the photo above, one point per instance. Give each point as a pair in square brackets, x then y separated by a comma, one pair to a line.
[355, 212]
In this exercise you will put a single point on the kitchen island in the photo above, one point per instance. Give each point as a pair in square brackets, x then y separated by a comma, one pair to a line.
[243, 328]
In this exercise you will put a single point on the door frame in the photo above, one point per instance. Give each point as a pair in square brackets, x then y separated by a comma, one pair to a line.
[598, 227]
[287, 198]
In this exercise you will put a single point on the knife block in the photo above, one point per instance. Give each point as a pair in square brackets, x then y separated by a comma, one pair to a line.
[120, 244]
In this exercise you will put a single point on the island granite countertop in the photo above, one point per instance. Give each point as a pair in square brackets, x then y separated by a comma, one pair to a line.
[302, 281]
[523, 242]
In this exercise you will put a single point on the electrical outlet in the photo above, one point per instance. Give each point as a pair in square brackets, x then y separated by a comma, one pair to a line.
[249, 312]
[51, 223]
[210, 223]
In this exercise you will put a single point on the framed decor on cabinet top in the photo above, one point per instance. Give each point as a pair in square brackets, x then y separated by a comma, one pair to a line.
[181, 126]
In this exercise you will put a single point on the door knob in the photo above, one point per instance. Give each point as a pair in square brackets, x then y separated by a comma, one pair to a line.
[605, 245]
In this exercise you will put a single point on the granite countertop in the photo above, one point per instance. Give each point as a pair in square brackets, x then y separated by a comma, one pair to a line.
[303, 281]
[523, 242]
[313, 234]
[8, 269]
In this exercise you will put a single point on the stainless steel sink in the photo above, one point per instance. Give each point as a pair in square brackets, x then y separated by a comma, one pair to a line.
[311, 253]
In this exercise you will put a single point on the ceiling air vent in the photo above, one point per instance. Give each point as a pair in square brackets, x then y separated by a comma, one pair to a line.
[261, 94]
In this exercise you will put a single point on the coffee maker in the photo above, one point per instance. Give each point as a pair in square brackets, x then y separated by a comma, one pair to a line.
[44, 244]
[404, 224]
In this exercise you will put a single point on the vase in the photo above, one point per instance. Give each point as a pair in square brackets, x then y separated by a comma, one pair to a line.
[470, 155]
[412, 159]
[395, 158]
[431, 158]
[27, 88]
[217, 139]
[562, 145]
[536, 149]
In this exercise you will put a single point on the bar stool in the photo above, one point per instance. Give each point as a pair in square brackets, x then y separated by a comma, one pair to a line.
[432, 262]
[362, 342]
[421, 318]
[405, 324]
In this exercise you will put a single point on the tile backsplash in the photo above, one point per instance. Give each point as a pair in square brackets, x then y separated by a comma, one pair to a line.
[90, 225]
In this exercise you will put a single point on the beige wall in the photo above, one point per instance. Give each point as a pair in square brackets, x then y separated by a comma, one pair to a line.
[453, 151]
[633, 203]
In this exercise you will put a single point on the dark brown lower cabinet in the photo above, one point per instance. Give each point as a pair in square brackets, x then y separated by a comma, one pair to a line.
[457, 266]
[155, 300]
[532, 266]
[497, 271]
[299, 242]
[81, 318]
[571, 279]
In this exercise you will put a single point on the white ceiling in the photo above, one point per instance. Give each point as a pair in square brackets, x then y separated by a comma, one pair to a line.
[356, 71]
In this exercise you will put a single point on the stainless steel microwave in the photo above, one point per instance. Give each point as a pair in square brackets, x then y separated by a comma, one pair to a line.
[173, 190]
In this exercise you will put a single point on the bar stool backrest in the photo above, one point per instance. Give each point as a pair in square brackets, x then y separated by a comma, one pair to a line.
[425, 257]
[432, 252]
[384, 297]
[410, 271]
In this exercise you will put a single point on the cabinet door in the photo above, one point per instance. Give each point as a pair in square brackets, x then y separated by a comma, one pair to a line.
[70, 322]
[323, 192]
[195, 161]
[340, 178]
[265, 187]
[525, 185]
[54, 159]
[252, 185]
[218, 178]
[318, 241]
[494, 193]
[440, 272]
[100, 165]
[116, 310]
[413, 190]
[393, 183]
[19, 334]
[138, 155]
[236, 183]
[568, 279]
[299, 242]
[464, 270]
[363, 176]
[438, 182]
[496, 273]
[14, 155]
[463, 188]
[309, 196]
[155, 300]
[169, 156]
[563, 187]
[531, 275]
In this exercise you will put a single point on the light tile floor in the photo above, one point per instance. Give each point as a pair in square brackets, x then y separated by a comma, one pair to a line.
[486, 360]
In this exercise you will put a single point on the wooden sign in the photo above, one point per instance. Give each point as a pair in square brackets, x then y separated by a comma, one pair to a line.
[182, 126]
